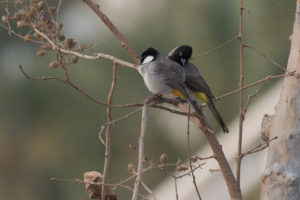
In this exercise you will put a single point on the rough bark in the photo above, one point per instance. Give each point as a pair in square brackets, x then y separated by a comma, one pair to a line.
[280, 180]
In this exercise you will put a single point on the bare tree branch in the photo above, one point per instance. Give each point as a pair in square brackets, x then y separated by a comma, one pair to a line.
[97, 183]
[189, 155]
[250, 98]
[175, 185]
[67, 82]
[108, 129]
[270, 77]
[148, 190]
[113, 29]
[241, 118]
[283, 7]
[141, 151]
[94, 57]
[216, 48]
[266, 57]
[259, 147]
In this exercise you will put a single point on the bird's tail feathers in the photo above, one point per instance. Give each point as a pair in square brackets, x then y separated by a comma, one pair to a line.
[194, 106]
[218, 117]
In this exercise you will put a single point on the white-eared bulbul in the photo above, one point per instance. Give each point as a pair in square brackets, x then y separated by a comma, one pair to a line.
[194, 81]
[164, 76]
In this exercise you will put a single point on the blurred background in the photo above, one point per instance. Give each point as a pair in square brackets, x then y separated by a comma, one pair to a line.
[48, 129]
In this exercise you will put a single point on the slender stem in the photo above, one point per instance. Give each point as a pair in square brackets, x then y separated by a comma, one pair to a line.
[89, 57]
[148, 190]
[265, 56]
[58, 10]
[189, 155]
[108, 130]
[267, 78]
[216, 48]
[176, 189]
[259, 147]
[138, 179]
[250, 98]
[240, 140]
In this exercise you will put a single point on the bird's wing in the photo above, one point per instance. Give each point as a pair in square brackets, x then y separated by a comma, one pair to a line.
[175, 76]
[171, 71]
[195, 81]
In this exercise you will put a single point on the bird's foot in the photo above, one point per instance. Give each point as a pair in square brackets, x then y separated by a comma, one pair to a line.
[158, 98]
[181, 100]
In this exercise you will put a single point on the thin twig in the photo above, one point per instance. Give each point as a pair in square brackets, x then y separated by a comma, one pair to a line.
[259, 147]
[129, 105]
[62, 62]
[265, 56]
[108, 129]
[253, 84]
[151, 167]
[176, 189]
[50, 13]
[214, 170]
[241, 82]
[141, 151]
[189, 172]
[58, 10]
[7, 14]
[189, 155]
[96, 183]
[205, 158]
[216, 48]
[148, 190]
[67, 82]
[162, 167]
[113, 29]
[100, 135]
[10, 31]
[250, 98]
[113, 122]
[74, 181]
[89, 57]
[183, 175]
[283, 7]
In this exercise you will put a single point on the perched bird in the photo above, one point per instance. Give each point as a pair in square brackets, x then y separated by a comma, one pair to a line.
[194, 81]
[163, 76]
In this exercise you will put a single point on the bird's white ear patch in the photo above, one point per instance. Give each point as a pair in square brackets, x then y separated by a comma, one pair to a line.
[147, 59]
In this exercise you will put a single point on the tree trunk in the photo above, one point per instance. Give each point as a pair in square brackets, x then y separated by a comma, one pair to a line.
[281, 178]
